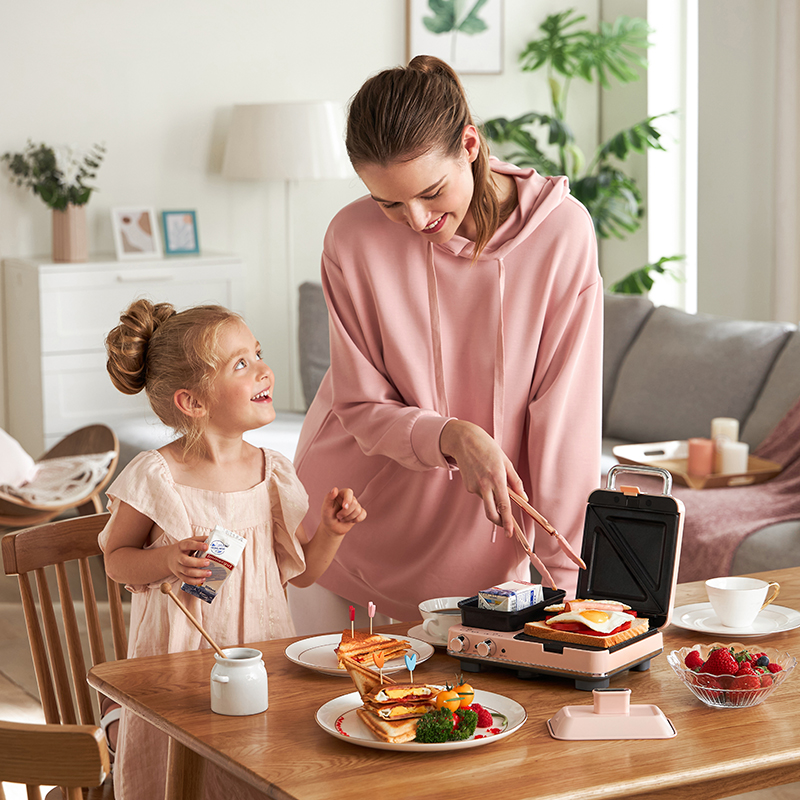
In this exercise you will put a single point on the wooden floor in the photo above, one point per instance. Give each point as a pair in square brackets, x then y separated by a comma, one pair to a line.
[19, 697]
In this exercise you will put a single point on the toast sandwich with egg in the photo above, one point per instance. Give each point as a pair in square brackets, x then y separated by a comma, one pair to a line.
[365, 679]
[599, 623]
[360, 646]
[400, 700]
[394, 731]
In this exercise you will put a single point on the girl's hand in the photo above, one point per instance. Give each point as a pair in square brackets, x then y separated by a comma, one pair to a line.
[341, 510]
[184, 565]
[485, 469]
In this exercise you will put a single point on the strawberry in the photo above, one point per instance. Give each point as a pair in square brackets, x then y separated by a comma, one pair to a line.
[721, 662]
[693, 660]
[747, 681]
[766, 680]
[745, 669]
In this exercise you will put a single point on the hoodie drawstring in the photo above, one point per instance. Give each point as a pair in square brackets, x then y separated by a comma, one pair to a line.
[498, 391]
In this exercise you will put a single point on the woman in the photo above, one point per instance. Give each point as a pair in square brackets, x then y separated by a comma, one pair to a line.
[466, 336]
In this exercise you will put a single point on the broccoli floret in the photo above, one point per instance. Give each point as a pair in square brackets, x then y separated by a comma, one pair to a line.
[435, 726]
[466, 727]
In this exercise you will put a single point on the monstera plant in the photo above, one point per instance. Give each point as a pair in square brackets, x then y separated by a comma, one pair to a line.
[612, 197]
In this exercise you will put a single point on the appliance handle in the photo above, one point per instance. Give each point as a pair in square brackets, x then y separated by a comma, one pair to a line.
[657, 472]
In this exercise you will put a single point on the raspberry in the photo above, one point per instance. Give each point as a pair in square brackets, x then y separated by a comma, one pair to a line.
[721, 662]
[485, 719]
[693, 660]
[774, 667]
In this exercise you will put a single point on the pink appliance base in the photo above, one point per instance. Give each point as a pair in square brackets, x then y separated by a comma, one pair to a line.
[590, 668]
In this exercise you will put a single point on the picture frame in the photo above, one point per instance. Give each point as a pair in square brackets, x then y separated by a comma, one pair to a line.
[472, 44]
[135, 232]
[180, 232]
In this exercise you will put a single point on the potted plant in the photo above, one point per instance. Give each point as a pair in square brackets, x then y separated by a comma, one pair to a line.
[612, 197]
[58, 176]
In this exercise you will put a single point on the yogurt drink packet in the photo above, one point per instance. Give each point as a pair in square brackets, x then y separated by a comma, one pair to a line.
[225, 548]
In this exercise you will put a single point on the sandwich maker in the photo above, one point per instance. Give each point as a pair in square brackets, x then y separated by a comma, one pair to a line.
[631, 546]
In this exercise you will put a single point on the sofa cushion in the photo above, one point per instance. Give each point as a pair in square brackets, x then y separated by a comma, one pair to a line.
[778, 395]
[315, 350]
[685, 369]
[623, 317]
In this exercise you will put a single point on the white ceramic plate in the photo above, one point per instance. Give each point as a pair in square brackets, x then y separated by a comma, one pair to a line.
[338, 718]
[701, 617]
[419, 632]
[319, 653]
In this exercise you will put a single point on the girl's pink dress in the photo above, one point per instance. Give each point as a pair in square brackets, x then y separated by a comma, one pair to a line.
[250, 607]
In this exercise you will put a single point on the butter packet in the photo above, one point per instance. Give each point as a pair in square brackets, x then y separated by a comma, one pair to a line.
[224, 551]
[511, 596]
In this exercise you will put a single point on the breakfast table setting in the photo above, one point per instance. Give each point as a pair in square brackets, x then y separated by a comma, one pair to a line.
[306, 746]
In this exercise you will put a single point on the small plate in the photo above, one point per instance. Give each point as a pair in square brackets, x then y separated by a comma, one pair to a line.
[319, 653]
[419, 632]
[338, 718]
[701, 617]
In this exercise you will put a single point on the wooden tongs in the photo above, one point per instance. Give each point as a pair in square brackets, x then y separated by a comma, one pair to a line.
[562, 542]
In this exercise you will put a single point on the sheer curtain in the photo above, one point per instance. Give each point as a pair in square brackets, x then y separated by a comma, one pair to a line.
[786, 292]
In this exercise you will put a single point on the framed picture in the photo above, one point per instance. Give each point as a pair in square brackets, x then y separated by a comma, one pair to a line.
[467, 34]
[180, 232]
[135, 232]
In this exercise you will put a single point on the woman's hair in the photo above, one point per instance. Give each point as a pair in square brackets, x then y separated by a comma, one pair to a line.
[160, 350]
[405, 112]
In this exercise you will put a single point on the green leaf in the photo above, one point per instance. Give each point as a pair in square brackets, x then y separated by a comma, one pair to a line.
[455, 15]
[640, 281]
[558, 46]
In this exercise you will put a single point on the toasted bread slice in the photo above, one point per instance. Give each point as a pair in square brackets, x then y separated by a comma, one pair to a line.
[542, 630]
[395, 731]
[402, 710]
[365, 679]
[360, 646]
[402, 692]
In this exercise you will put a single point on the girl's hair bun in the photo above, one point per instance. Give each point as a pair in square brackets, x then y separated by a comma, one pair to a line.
[127, 344]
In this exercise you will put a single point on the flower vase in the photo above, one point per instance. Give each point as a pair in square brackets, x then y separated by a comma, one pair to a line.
[69, 234]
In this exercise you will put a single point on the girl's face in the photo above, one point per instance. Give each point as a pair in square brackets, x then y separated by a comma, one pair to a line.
[431, 193]
[242, 389]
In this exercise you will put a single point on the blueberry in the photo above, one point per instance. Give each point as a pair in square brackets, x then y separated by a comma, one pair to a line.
[762, 661]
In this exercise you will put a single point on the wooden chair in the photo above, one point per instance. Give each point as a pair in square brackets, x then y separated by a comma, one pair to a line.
[16, 512]
[68, 756]
[58, 547]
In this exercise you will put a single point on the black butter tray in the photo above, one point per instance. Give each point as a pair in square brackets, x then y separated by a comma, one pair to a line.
[487, 619]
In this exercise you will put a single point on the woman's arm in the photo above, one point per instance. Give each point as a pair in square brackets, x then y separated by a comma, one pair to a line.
[128, 562]
[340, 511]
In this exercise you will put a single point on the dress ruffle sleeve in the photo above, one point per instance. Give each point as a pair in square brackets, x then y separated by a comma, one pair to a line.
[289, 503]
[146, 485]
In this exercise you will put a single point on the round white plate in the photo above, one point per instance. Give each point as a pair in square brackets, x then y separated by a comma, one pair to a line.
[701, 617]
[338, 718]
[319, 653]
[419, 632]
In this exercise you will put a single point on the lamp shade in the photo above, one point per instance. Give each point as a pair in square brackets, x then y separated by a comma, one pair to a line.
[286, 141]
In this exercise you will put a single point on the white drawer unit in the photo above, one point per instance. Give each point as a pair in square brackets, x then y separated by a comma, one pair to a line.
[56, 320]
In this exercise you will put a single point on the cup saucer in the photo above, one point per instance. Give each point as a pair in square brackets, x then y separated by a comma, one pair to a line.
[418, 632]
[701, 617]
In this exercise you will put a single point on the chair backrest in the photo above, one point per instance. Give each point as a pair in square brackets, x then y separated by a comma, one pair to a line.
[69, 756]
[60, 677]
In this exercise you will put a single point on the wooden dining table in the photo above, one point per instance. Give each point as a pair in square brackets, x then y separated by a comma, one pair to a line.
[286, 754]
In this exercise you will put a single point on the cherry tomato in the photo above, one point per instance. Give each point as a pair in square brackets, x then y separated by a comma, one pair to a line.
[466, 693]
[448, 699]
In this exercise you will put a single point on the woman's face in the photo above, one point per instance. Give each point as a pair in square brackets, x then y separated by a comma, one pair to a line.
[431, 193]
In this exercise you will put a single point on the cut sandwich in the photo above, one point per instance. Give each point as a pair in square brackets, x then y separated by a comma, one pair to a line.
[401, 700]
[365, 679]
[361, 646]
[599, 623]
[394, 731]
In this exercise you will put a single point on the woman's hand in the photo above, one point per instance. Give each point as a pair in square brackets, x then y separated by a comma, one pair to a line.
[485, 469]
[341, 510]
[184, 565]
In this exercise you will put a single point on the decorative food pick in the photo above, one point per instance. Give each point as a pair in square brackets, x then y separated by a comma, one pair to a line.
[411, 662]
[371, 612]
[167, 589]
[352, 621]
[378, 657]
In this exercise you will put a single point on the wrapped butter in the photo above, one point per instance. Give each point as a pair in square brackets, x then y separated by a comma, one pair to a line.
[511, 596]
[224, 551]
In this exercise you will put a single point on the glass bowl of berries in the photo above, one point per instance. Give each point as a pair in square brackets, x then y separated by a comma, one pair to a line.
[731, 675]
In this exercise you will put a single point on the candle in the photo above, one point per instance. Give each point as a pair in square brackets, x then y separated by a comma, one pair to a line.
[723, 429]
[701, 457]
[734, 457]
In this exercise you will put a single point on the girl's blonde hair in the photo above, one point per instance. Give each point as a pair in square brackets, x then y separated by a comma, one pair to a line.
[405, 112]
[161, 351]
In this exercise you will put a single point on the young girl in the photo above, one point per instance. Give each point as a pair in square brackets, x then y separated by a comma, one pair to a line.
[204, 376]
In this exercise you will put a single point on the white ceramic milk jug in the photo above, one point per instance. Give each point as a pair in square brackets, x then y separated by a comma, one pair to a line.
[239, 683]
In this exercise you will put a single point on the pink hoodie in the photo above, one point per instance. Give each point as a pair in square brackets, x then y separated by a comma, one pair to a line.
[420, 335]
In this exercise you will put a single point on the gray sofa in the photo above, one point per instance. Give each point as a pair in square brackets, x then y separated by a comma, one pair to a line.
[667, 374]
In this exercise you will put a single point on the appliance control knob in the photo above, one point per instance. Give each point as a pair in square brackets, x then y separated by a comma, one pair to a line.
[485, 647]
[459, 643]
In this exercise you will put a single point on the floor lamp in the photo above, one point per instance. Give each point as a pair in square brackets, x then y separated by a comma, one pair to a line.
[287, 142]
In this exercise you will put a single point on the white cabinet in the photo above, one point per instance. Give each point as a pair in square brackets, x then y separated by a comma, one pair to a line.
[56, 320]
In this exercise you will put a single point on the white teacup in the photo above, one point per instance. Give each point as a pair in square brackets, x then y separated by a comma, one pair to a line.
[239, 683]
[737, 601]
[438, 615]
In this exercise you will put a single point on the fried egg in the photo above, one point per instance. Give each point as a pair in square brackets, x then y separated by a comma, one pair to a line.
[600, 621]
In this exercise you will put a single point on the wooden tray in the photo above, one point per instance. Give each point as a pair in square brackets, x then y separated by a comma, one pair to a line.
[672, 456]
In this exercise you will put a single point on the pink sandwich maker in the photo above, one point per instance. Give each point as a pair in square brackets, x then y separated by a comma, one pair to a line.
[631, 546]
